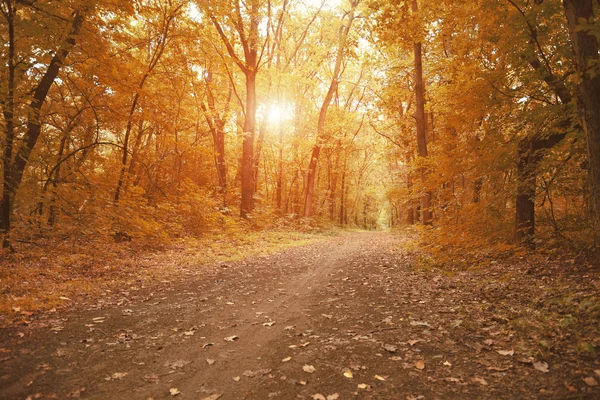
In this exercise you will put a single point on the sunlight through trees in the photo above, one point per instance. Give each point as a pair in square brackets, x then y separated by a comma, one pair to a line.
[164, 118]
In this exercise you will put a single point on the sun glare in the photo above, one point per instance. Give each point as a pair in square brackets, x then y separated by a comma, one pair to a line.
[278, 113]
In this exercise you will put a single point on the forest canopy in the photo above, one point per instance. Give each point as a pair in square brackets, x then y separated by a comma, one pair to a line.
[170, 118]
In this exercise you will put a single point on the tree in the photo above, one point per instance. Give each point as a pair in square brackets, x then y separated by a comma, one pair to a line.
[421, 123]
[15, 162]
[580, 16]
[347, 20]
[246, 27]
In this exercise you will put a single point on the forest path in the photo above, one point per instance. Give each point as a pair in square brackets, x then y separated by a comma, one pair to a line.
[350, 317]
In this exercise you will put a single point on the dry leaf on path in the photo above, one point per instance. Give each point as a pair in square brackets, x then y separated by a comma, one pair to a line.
[236, 378]
[174, 391]
[334, 396]
[590, 381]
[318, 396]
[481, 381]
[176, 364]
[286, 359]
[379, 378]
[541, 366]
[231, 338]
[420, 364]
[363, 386]
[210, 361]
[348, 374]
[309, 368]
[390, 347]
[506, 352]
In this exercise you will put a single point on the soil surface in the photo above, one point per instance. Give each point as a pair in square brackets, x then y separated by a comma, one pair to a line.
[351, 317]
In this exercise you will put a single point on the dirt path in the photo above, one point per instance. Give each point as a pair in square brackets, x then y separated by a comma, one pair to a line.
[347, 318]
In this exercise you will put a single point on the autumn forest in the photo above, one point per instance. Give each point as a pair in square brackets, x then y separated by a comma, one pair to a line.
[169, 118]
[339, 198]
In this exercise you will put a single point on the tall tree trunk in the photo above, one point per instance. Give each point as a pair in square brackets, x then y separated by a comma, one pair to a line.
[316, 151]
[585, 45]
[9, 112]
[247, 175]
[421, 125]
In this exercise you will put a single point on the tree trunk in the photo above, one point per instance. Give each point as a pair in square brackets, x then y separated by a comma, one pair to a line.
[585, 45]
[525, 201]
[8, 111]
[421, 125]
[247, 175]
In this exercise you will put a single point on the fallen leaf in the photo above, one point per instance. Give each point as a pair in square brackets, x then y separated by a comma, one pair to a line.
[506, 352]
[189, 333]
[570, 388]
[590, 381]
[420, 364]
[236, 378]
[119, 375]
[210, 361]
[481, 381]
[176, 364]
[348, 374]
[597, 372]
[174, 391]
[379, 378]
[541, 366]
[309, 368]
[363, 386]
[268, 323]
[418, 323]
[153, 378]
[390, 347]
[286, 359]
[451, 379]
[304, 344]
[205, 345]
[231, 338]
[334, 396]
[318, 396]
[413, 342]
[497, 369]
